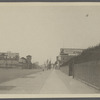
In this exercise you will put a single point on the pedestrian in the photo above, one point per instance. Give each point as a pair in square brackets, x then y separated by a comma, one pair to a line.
[43, 69]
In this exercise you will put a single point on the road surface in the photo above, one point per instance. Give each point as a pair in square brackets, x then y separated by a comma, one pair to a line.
[46, 82]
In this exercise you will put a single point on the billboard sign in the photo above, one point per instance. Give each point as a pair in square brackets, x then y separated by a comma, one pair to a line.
[67, 51]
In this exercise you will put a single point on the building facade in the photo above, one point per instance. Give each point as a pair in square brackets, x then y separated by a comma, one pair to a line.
[70, 51]
[9, 55]
[9, 59]
[29, 63]
[67, 53]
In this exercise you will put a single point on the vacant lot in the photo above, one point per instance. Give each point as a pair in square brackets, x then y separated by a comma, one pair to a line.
[9, 74]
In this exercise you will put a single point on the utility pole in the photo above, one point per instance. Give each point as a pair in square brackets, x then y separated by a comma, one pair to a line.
[73, 68]
[6, 60]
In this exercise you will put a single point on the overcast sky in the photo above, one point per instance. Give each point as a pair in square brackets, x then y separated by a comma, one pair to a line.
[42, 30]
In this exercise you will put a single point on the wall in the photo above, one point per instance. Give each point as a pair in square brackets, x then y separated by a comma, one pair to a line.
[88, 72]
[65, 58]
[8, 63]
[68, 69]
[65, 69]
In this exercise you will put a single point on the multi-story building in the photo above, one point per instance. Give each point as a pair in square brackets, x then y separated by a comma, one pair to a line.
[9, 59]
[26, 62]
[22, 60]
[29, 58]
[9, 55]
[70, 51]
[67, 53]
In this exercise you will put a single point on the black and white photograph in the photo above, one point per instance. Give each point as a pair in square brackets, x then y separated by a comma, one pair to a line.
[50, 48]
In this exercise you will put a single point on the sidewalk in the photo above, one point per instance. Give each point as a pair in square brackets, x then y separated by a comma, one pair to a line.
[76, 86]
[60, 83]
[54, 85]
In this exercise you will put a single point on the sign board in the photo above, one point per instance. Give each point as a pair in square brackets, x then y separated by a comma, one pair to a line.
[67, 51]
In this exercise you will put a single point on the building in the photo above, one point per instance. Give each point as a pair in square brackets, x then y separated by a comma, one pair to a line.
[29, 58]
[26, 62]
[70, 51]
[9, 59]
[29, 63]
[9, 55]
[67, 53]
[36, 65]
[22, 60]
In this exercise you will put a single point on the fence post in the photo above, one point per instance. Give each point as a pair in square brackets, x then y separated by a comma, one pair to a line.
[73, 68]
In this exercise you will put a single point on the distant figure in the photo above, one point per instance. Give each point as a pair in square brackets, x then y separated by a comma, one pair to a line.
[87, 15]
[43, 69]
